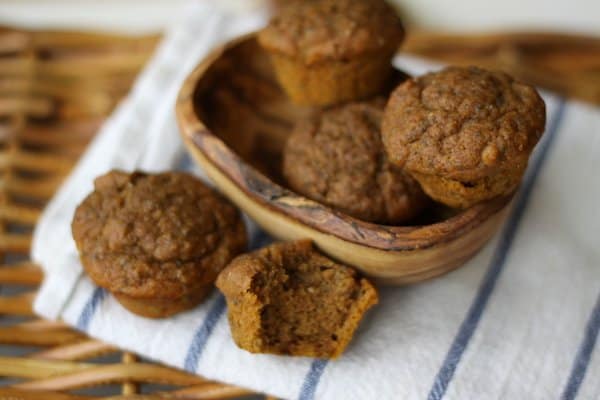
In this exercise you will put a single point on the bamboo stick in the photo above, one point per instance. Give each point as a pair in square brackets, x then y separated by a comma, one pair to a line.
[66, 90]
[16, 335]
[92, 106]
[202, 392]
[480, 43]
[100, 41]
[15, 243]
[63, 132]
[21, 66]
[129, 387]
[17, 305]
[76, 351]
[77, 66]
[39, 369]
[16, 394]
[40, 325]
[25, 273]
[36, 107]
[12, 42]
[108, 374]
[42, 189]
[20, 214]
[36, 162]
[211, 390]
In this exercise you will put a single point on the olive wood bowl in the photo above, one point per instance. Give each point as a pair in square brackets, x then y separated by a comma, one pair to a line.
[234, 119]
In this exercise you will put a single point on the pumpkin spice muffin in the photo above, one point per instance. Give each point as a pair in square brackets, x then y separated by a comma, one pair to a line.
[464, 133]
[337, 158]
[156, 241]
[289, 299]
[330, 51]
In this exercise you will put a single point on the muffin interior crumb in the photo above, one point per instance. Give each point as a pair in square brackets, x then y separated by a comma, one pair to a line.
[305, 302]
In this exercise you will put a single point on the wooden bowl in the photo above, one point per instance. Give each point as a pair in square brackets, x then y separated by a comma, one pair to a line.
[234, 120]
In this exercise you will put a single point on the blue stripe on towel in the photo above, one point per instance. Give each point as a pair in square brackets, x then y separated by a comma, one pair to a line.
[89, 309]
[203, 333]
[185, 163]
[469, 324]
[309, 387]
[260, 239]
[584, 354]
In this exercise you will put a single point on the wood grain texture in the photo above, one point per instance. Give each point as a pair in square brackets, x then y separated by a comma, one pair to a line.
[565, 63]
[233, 154]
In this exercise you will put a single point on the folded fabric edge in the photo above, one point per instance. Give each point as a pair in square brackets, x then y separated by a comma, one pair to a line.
[56, 289]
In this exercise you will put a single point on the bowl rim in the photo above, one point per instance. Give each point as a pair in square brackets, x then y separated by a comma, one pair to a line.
[260, 188]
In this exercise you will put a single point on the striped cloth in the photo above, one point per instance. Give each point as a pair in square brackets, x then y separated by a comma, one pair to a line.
[520, 320]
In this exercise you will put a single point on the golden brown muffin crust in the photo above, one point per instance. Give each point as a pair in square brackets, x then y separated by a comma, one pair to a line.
[337, 158]
[459, 194]
[318, 30]
[462, 123]
[155, 235]
[289, 299]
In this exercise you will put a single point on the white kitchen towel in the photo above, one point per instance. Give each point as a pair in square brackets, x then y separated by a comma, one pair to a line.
[520, 320]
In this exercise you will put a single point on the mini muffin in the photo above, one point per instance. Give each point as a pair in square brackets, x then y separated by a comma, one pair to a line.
[157, 242]
[289, 299]
[464, 133]
[336, 157]
[330, 51]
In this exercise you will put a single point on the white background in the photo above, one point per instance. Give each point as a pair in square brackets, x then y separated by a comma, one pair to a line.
[454, 15]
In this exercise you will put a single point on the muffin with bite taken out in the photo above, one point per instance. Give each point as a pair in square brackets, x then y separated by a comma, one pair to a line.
[289, 299]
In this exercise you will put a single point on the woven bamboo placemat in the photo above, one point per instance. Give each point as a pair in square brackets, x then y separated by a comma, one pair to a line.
[55, 90]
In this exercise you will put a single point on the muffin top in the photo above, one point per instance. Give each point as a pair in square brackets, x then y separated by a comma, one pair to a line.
[160, 235]
[336, 157]
[319, 30]
[462, 123]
